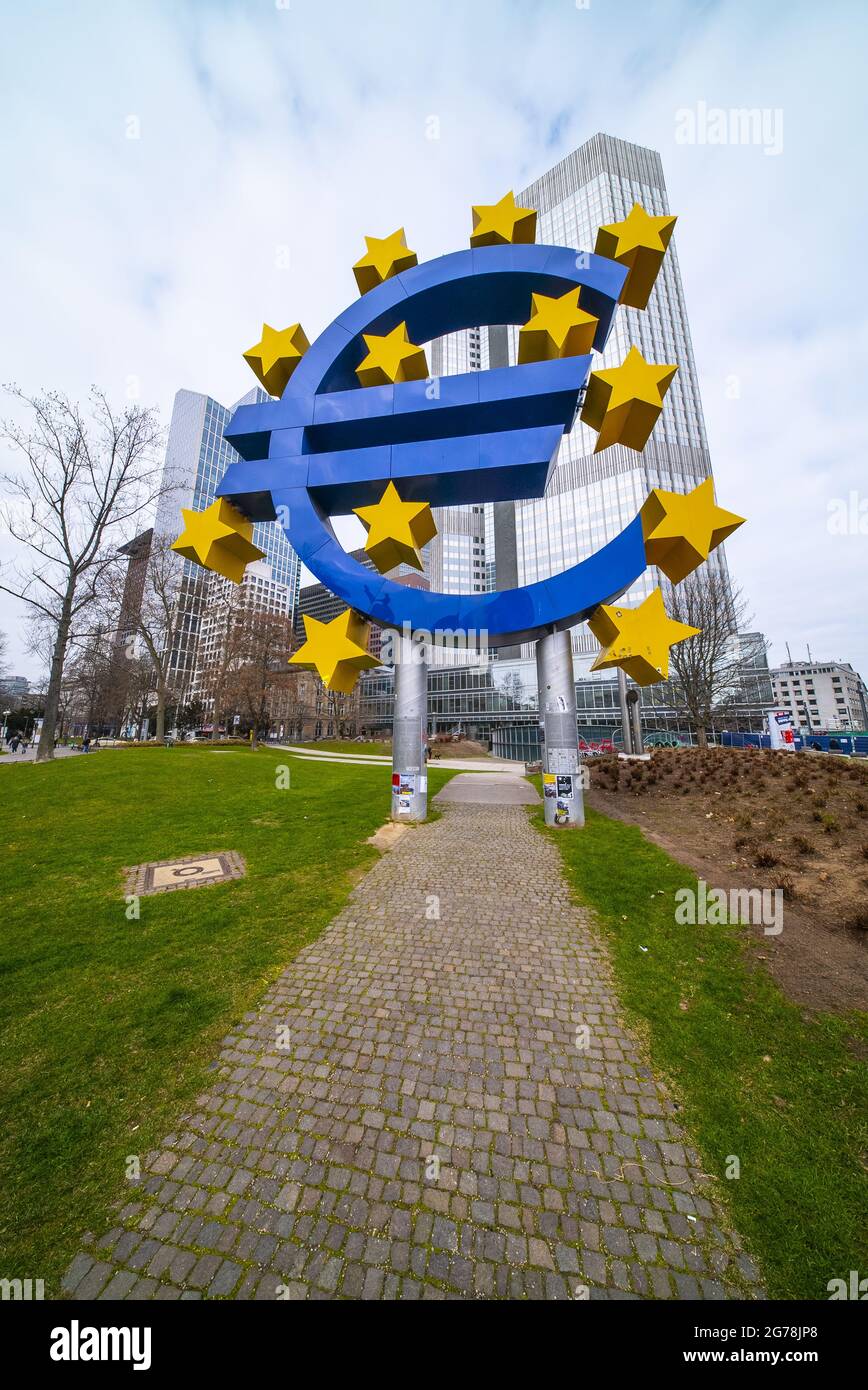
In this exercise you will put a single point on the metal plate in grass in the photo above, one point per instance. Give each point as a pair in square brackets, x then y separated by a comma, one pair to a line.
[193, 871]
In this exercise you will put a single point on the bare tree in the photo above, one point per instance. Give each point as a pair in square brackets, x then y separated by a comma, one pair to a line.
[84, 478]
[138, 691]
[89, 667]
[298, 702]
[223, 640]
[160, 619]
[260, 675]
[706, 670]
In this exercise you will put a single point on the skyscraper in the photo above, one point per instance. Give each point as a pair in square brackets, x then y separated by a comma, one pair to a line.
[590, 497]
[455, 559]
[197, 456]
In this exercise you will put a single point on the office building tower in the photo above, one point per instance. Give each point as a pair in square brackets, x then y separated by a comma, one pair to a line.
[590, 497]
[225, 621]
[821, 695]
[138, 554]
[197, 456]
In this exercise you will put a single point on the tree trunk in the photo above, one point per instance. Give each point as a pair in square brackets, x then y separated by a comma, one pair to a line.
[45, 751]
[161, 711]
[701, 736]
[215, 717]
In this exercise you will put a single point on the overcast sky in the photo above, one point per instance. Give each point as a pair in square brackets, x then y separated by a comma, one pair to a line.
[268, 137]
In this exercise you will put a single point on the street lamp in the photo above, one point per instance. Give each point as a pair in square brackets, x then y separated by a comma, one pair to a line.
[6, 714]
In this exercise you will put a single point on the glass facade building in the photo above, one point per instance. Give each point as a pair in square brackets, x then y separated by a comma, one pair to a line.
[590, 497]
[197, 456]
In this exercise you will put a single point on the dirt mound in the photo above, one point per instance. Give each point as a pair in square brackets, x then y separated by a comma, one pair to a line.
[749, 818]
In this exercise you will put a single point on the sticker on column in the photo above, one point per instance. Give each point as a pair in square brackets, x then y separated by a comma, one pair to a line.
[565, 788]
[562, 812]
[549, 784]
[406, 783]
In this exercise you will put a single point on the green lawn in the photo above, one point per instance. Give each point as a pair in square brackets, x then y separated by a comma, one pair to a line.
[344, 745]
[107, 1025]
[759, 1078]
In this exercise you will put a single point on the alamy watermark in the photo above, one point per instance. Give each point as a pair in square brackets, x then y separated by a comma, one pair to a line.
[852, 1288]
[22, 1290]
[412, 646]
[720, 907]
[731, 125]
[77, 1343]
[847, 516]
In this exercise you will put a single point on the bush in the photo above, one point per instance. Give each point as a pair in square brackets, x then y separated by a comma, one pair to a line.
[787, 886]
[766, 858]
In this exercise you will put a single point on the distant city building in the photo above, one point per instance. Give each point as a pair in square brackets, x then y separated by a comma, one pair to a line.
[16, 686]
[498, 703]
[821, 694]
[228, 604]
[197, 456]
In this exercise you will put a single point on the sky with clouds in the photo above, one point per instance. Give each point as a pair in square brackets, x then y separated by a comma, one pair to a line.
[175, 173]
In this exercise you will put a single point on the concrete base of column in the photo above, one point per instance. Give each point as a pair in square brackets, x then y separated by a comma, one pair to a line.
[563, 796]
[409, 728]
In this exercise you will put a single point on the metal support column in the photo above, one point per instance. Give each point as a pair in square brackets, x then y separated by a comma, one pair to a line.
[563, 798]
[626, 730]
[409, 727]
[635, 701]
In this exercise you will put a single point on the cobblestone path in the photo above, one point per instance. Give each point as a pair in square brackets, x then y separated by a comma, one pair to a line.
[409, 1115]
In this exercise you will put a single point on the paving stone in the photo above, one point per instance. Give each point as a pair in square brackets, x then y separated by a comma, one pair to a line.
[616, 1240]
[76, 1272]
[119, 1285]
[94, 1281]
[433, 1131]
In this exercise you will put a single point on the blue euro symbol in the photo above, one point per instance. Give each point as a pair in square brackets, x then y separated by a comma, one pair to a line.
[328, 445]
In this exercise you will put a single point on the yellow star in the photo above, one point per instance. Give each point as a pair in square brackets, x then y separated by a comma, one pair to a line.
[639, 242]
[637, 639]
[681, 529]
[622, 403]
[556, 328]
[274, 359]
[385, 257]
[391, 358]
[396, 530]
[337, 650]
[218, 539]
[497, 224]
